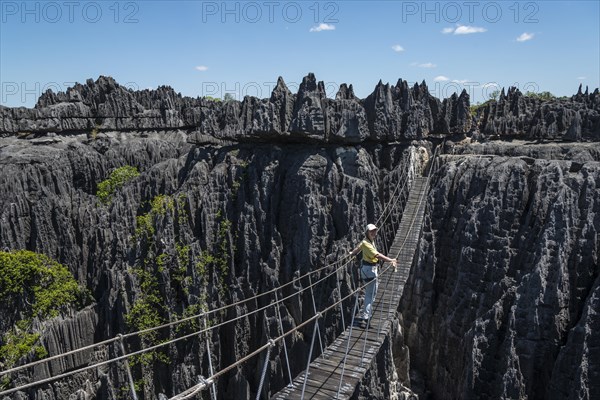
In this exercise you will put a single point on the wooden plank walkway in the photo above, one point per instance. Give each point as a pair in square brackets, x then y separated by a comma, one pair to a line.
[325, 374]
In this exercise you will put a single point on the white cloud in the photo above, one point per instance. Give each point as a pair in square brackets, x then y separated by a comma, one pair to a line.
[441, 78]
[423, 65]
[397, 48]
[582, 78]
[322, 27]
[463, 30]
[461, 81]
[201, 68]
[525, 37]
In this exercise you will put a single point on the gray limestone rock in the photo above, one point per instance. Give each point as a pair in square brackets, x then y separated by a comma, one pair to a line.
[269, 211]
[515, 115]
[389, 114]
[504, 278]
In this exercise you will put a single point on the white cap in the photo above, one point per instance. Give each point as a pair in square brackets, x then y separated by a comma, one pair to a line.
[371, 227]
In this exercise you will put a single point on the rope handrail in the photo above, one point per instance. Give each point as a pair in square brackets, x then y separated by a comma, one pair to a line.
[342, 263]
[421, 197]
[210, 380]
[168, 342]
[159, 345]
[195, 389]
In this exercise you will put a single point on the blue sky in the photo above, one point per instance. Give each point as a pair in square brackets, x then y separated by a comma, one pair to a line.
[215, 47]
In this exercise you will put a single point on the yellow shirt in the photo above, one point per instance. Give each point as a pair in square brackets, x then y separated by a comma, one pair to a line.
[369, 251]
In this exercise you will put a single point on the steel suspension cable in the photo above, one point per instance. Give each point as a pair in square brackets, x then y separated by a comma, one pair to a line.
[342, 263]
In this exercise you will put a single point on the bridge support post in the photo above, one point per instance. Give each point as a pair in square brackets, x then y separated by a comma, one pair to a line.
[347, 346]
[337, 279]
[213, 389]
[264, 372]
[287, 360]
[126, 362]
[312, 345]
[312, 293]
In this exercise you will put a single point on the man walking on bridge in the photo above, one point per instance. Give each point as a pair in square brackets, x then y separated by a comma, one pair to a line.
[368, 269]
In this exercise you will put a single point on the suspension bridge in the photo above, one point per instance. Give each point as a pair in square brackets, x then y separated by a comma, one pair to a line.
[340, 369]
[333, 371]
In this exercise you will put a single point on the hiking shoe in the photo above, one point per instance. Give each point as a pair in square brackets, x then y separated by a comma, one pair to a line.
[361, 317]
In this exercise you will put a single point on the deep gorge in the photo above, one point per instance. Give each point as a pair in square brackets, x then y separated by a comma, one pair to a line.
[236, 198]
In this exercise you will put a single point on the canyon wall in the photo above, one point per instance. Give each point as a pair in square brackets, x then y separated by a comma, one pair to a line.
[235, 198]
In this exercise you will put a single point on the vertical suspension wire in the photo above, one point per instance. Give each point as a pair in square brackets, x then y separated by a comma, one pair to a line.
[264, 371]
[386, 247]
[399, 208]
[381, 303]
[392, 272]
[394, 278]
[312, 293]
[213, 388]
[362, 357]
[287, 360]
[126, 362]
[312, 345]
[354, 311]
[337, 279]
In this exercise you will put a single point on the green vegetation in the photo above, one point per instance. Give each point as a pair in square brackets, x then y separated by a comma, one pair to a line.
[220, 262]
[115, 181]
[35, 279]
[237, 183]
[18, 344]
[210, 98]
[191, 310]
[495, 95]
[147, 312]
[166, 287]
[540, 96]
[180, 272]
[144, 226]
[150, 308]
[183, 255]
[40, 287]
[161, 203]
[181, 213]
[204, 260]
[476, 107]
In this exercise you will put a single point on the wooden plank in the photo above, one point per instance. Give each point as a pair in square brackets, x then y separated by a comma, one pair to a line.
[346, 352]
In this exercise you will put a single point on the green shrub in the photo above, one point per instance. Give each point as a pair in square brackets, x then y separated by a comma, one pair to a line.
[46, 285]
[147, 312]
[161, 203]
[540, 96]
[115, 181]
[19, 344]
[145, 227]
[42, 287]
